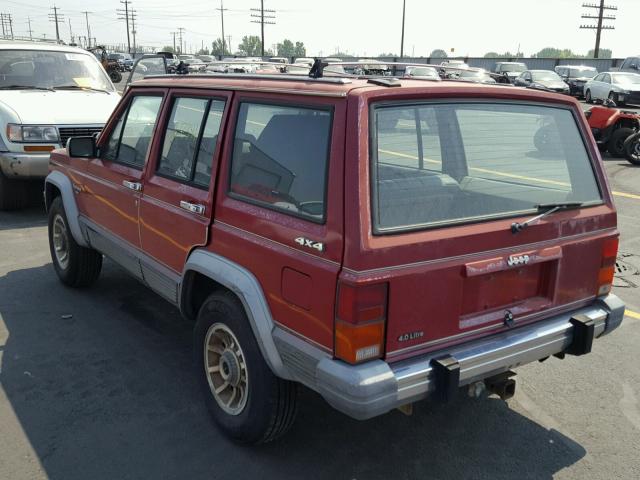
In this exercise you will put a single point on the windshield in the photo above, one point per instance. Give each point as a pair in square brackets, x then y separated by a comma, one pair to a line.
[583, 72]
[436, 164]
[512, 67]
[47, 69]
[545, 77]
[629, 78]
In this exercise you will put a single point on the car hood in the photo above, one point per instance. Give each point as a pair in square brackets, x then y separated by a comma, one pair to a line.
[61, 107]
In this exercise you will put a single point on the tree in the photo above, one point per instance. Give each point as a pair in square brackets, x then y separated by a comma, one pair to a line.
[300, 50]
[503, 55]
[217, 48]
[388, 55]
[251, 46]
[551, 52]
[168, 48]
[203, 51]
[286, 49]
[438, 53]
[604, 53]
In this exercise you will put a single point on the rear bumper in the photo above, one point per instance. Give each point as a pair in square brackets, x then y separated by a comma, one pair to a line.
[373, 388]
[24, 165]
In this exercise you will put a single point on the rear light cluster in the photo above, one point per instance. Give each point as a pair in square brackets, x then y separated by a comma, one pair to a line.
[361, 317]
[607, 266]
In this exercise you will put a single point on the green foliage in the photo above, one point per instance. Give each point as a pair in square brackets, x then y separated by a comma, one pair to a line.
[438, 53]
[503, 55]
[551, 52]
[217, 48]
[604, 53]
[286, 48]
[300, 50]
[203, 51]
[168, 48]
[388, 55]
[251, 46]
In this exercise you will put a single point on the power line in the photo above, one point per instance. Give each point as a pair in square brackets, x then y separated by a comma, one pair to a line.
[57, 18]
[263, 19]
[7, 25]
[181, 31]
[30, 31]
[133, 29]
[601, 19]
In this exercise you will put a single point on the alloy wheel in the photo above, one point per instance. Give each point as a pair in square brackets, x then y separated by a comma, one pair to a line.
[226, 369]
[61, 241]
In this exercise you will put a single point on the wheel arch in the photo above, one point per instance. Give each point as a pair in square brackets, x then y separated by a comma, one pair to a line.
[206, 272]
[58, 184]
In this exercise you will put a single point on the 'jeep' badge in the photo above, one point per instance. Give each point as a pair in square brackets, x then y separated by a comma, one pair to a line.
[515, 260]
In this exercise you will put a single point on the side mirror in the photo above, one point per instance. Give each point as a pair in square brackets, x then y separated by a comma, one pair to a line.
[81, 147]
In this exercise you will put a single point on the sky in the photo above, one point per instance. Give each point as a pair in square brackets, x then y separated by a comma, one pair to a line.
[358, 27]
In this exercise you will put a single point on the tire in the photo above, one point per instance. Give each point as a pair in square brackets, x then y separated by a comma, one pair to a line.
[116, 76]
[261, 408]
[14, 194]
[632, 149]
[587, 97]
[615, 146]
[81, 266]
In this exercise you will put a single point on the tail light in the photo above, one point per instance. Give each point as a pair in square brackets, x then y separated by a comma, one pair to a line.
[607, 266]
[361, 315]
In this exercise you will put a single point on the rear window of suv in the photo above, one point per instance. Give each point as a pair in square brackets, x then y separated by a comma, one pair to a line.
[438, 164]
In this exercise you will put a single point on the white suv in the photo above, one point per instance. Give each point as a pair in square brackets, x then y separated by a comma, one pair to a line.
[48, 93]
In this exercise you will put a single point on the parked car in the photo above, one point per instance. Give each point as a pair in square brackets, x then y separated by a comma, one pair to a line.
[475, 75]
[454, 63]
[281, 60]
[48, 94]
[423, 73]
[620, 87]
[206, 58]
[631, 65]
[576, 76]
[611, 127]
[305, 60]
[542, 80]
[510, 70]
[308, 245]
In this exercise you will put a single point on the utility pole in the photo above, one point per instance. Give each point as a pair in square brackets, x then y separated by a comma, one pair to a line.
[173, 34]
[229, 43]
[30, 31]
[86, 17]
[222, 10]
[71, 39]
[601, 17]
[260, 13]
[133, 29]
[7, 25]
[404, 4]
[120, 12]
[181, 30]
[56, 17]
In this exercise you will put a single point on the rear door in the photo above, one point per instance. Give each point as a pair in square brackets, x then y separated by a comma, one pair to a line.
[177, 204]
[447, 184]
[279, 205]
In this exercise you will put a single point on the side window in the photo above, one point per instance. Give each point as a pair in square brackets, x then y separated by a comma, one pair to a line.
[129, 140]
[280, 158]
[606, 79]
[188, 148]
[598, 78]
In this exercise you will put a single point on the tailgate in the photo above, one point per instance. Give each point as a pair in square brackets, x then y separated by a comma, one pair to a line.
[447, 180]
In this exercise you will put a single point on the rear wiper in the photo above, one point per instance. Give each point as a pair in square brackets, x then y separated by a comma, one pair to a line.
[25, 87]
[78, 87]
[548, 209]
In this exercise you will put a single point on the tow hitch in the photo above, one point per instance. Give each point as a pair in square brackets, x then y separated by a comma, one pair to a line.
[502, 385]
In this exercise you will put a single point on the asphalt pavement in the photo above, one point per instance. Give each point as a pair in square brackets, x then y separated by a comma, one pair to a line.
[98, 384]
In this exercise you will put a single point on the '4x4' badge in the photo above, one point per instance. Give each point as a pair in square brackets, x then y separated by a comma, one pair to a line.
[305, 242]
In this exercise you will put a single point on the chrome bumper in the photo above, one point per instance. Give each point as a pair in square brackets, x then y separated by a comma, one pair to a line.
[373, 388]
[24, 165]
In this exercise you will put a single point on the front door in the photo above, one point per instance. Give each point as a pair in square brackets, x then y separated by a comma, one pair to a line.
[176, 206]
[113, 182]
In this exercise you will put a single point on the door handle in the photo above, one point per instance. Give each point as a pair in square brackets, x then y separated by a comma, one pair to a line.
[135, 186]
[192, 207]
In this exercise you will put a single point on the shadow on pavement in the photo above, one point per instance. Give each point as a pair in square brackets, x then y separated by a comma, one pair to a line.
[109, 393]
[32, 216]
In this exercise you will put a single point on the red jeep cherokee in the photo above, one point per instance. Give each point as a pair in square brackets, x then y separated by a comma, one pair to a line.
[378, 241]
